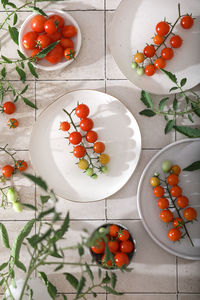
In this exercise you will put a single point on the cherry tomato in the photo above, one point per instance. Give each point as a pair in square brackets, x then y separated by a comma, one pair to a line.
[176, 191]
[58, 20]
[82, 111]
[104, 159]
[163, 203]
[174, 234]
[178, 223]
[13, 123]
[22, 165]
[162, 28]
[166, 166]
[91, 136]
[69, 31]
[9, 108]
[75, 138]
[69, 53]
[167, 53]
[160, 63]
[121, 259]
[149, 70]
[139, 57]
[98, 247]
[86, 124]
[158, 39]
[64, 126]
[34, 53]
[154, 181]
[55, 36]
[182, 201]
[43, 41]
[113, 246]
[55, 55]
[29, 40]
[83, 164]
[7, 171]
[176, 169]
[114, 229]
[158, 191]
[190, 213]
[176, 41]
[108, 263]
[99, 147]
[172, 179]
[187, 22]
[166, 215]
[66, 43]
[50, 26]
[37, 23]
[123, 235]
[149, 51]
[79, 151]
[126, 246]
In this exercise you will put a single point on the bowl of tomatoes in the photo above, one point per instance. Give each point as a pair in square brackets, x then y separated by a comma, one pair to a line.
[112, 246]
[39, 32]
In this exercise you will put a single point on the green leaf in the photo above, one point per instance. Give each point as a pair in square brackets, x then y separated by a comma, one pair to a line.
[173, 88]
[15, 18]
[188, 131]
[37, 10]
[146, 99]
[113, 279]
[2, 282]
[169, 126]
[14, 34]
[147, 113]
[3, 72]
[106, 279]
[33, 240]
[52, 290]
[170, 75]
[44, 199]
[196, 110]
[37, 180]
[72, 280]
[64, 297]
[22, 65]
[162, 103]
[4, 2]
[3, 266]
[24, 89]
[166, 117]
[28, 102]
[20, 265]
[190, 118]
[46, 50]
[11, 5]
[80, 250]
[193, 167]
[46, 212]
[4, 236]
[21, 73]
[183, 82]
[59, 267]
[111, 291]
[80, 286]
[16, 98]
[32, 69]
[21, 55]
[60, 232]
[30, 206]
[6, 59]
[20, 238]
[175, 104]
[89, 271]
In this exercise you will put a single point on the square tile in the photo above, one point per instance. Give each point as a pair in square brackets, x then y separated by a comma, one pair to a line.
[188, 297]
[144, 297]
[112, 4]
[123, 204]
[188, 276]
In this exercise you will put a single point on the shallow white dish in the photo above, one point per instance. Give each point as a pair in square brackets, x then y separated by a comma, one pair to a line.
[133, 26]
[183, 153]
[44, 64]
[50, 152]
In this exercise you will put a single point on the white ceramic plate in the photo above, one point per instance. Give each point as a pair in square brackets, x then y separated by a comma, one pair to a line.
[44, 64]
[50, 152]
[133, 26]
[183, 153]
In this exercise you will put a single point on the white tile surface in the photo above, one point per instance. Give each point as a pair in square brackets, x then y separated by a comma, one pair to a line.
[143, 297]
[188, 276]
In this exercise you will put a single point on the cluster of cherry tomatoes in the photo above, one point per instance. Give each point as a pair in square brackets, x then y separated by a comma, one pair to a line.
[178, 201]
[8, 170]
[167, 53]
[49, 30]
[9, 108]
[120, 244]
[90, 136]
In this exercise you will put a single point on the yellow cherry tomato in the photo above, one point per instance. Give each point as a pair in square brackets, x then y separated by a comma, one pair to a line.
[139, 57]
[104, 159]
[155, 181]
[83, 164]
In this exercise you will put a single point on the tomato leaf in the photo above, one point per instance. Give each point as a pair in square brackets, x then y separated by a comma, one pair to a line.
[193, 167]
[3, 266]
[72, 280]
[173, 88]
[188, 131]
[15, 18]
[20, 265]
[29, 103]
[80, 286]
[52, 290]
[113, 279]
[111, 291]
[170, 75]
[24, 89]
[169, 126]
[16, 98]
[21, 54]
[147, 113]
[6, 59]
[183, 82]
[162, 103]
[29, 206]
[4, 236]
[32, 69]
[3, 72]
[146, 99]
[44, 199]
[190, 118]
[80, 250]
[46, 50]
[37, 10]
[196, 110]
[46, 212]
[89, 271]
[37, 180]
[106, 279]
[11, 4]
[175, 104]
[21, 73]
[14, 34]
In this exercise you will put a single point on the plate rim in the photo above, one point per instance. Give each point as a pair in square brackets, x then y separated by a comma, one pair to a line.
[90, 90]
[171, 251]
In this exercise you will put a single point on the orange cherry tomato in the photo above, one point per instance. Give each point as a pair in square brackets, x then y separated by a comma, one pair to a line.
[174, 234]
[176, 41]
[114, 229]
[150, 70]
[66, 43]
[64, 126]
[158, 39]
[99, 147]
[9, 108]
[126, 246]
[91, 136]
[176, 191]
[121, 259]
[187, 22]
[123, 235]
[172, 179]
[7, 171]
[190, 213]
[176, 169]
[21, 165]
[163, 203]
[182, 201]
[178, 223]
[69, 31]
[166, 215]
[158, 191]
[13, 123]
[139, 57]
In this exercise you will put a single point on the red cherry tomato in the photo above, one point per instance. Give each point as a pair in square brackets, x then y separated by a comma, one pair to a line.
[176, 191]
[58, 20]
[182, 201]
[166, 215]
[13, 123]
[108, 263]
[99, 147]
[37, 23]
[7, 171]
[69, 53]
[98, 247]
[172, 179]
[150, 70]
[43, 41]
[79, 151]
[55, 55]
[29, 40]
[162, 28]
[55, 36]
[121, 259]
[113, 246]
[69, 31]
[160, 63]
[187, 22]
[190, 213]
[158, 191]
[123, 235]
[86, 124]
[163, 203]
[9, 108]
[21, 165]
[64, 126]
[82, 111]
[178, 223]
[176, 41]
[149, 51]
[174, 234]
[66, 43]
[75, 138]
[126, 246]
[91, 136]
[50, 26]
[158, 39]
[167, 53]
[34, 53]
[114, 229]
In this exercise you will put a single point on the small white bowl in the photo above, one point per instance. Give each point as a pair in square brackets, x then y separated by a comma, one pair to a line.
[43, 63]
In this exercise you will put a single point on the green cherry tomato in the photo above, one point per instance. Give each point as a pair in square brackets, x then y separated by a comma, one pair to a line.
[134, 65]
[17, 207]
[166, 166]
[94, 176]
[140, 71]
[89, 171]
[104, 169]
[12, 195]
[102, 229]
